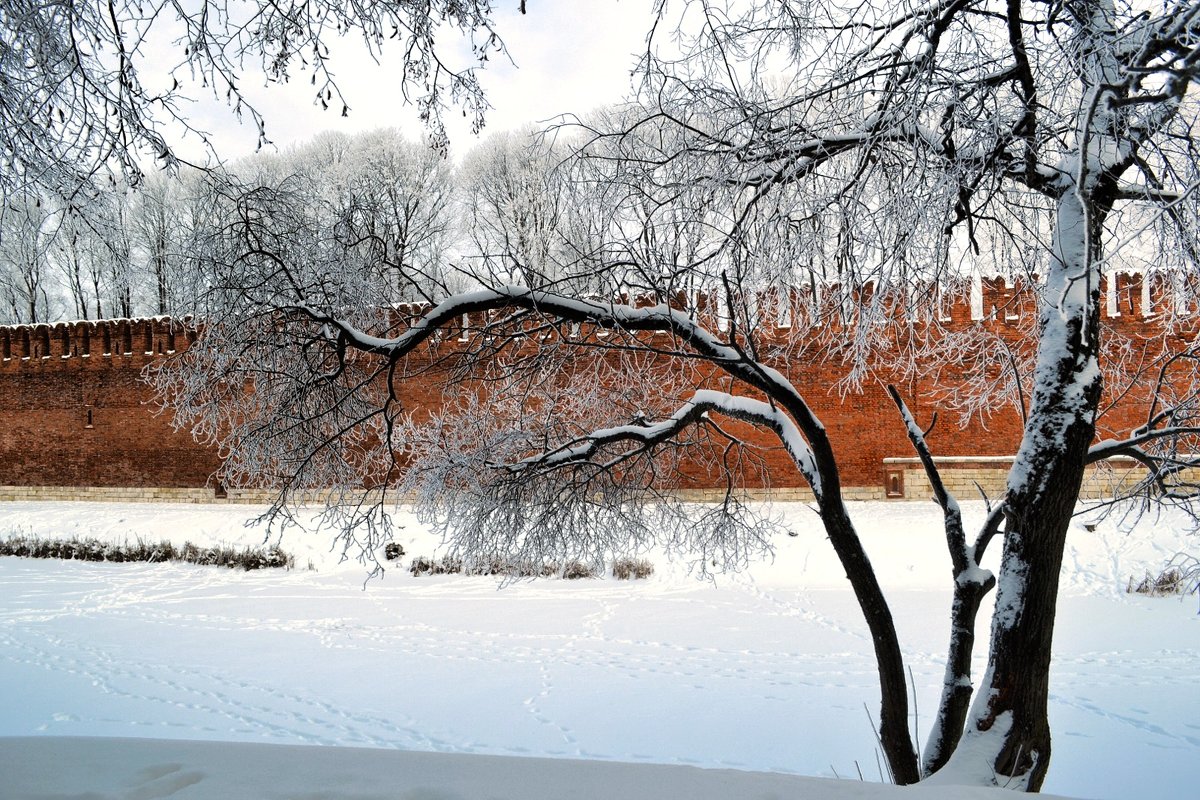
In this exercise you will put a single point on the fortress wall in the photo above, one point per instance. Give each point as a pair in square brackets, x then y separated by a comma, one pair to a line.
[74, 411]
[76, 418]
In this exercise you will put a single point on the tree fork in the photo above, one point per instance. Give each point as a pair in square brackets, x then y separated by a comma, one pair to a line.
[969, 590]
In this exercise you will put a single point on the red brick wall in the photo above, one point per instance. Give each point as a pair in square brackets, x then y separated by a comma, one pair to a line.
[52, 376]
[48, 386]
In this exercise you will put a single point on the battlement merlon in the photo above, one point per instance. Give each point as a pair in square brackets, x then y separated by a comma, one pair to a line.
[116, 342]
[994, 301]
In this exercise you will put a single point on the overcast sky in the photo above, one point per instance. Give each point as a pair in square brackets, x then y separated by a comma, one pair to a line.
[570, 56]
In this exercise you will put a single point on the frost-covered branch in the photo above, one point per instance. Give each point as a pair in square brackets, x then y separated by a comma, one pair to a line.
[97, 88]
[477, 478]
[1131, 446]
[971, 585]
[1166, 446]
[616, 316]
[646, 436]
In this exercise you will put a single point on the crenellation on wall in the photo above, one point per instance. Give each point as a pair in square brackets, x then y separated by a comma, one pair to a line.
[118, 343]
[1006, 302]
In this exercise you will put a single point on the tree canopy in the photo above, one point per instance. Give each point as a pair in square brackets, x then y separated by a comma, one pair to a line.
[95, 89]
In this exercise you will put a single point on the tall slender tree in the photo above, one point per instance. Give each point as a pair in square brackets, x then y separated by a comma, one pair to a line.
[24, 263]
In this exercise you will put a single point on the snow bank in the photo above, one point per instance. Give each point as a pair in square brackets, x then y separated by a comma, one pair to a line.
[35, 769]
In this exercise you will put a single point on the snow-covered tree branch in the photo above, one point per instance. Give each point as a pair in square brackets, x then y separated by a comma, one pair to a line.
[97, 88]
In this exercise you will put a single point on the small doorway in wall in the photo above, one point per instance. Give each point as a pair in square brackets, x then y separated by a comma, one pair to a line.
[893, 483]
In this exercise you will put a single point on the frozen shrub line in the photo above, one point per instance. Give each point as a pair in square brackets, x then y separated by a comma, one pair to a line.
[91, 549]
[623, 568]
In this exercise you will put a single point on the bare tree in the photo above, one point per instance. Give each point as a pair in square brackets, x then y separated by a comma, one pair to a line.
[866, 152]
[118, 254]
[70, 248]
[374, 206]
[390, 201]
[24, 266]
[513, 204]
[152, 229]
[115, 273]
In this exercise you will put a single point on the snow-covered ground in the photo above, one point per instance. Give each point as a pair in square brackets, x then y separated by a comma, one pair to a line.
[767, 671]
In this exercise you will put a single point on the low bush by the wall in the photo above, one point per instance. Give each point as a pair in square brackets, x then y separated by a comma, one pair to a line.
[624, 568]
[422, 565]
[576, 570]
[90, 549]
[632, 569]
[433, 566]
[520, 569]
[1171, 580]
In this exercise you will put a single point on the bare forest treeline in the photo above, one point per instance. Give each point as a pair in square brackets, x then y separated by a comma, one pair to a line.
[385, 206]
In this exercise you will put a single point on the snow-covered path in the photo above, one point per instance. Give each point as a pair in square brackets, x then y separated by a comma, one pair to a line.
[768, 670]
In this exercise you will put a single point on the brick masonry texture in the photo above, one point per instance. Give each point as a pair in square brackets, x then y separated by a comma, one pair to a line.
[74, 411]
[77, 420]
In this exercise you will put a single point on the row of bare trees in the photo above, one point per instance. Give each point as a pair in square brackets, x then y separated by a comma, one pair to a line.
[395, 209]
[98, 96]
[105, 261]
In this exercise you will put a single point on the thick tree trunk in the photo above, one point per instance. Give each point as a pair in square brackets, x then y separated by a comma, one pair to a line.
[1019, 674]
[1009, 722]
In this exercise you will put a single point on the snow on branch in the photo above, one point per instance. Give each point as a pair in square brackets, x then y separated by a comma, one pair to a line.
[645, 437]
[473, 480]
[956, 538]
[1131, 446]
[606, 315]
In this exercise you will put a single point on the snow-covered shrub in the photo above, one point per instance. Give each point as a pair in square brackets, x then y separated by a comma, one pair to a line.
[632, 568]
[513, 569]
[1169, 581]
[576, 570]
[90, 549]
[433, 566]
